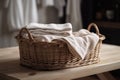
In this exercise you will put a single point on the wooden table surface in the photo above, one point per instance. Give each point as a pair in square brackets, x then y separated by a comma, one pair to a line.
[9, 65]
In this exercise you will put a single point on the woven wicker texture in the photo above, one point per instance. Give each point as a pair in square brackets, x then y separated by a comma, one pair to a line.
[51, 56]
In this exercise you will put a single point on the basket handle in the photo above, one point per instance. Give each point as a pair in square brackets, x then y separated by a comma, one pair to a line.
[95, 26]
[28, 32]
[102, 37]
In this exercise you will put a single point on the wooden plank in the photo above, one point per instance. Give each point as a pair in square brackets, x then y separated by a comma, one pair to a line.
[9, 65]
[5, 77]
[93, 77]
[105, 76]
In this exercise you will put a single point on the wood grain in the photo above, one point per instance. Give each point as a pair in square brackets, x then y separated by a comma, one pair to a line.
[9, 65]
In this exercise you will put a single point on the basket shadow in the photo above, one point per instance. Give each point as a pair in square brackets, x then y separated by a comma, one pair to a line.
[13, 66]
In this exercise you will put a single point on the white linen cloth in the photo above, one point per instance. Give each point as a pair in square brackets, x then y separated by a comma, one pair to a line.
[21, 13]
[79, 43]
[82, 43]
[59, 5]
[73, 14]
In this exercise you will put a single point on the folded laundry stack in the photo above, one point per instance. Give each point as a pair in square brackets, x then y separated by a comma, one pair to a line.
[80, 43]
[48, 32]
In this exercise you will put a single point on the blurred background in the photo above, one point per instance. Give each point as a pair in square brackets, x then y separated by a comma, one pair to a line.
[14, 14]
[106, 14]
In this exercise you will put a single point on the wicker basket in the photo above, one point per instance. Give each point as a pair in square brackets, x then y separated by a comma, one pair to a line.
[51, 56]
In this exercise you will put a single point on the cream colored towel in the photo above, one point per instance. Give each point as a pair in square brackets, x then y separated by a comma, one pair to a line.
[52, 26]
[48, 32]
[82, 43]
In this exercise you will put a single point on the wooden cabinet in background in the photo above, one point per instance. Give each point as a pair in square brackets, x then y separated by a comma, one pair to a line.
[98, 11]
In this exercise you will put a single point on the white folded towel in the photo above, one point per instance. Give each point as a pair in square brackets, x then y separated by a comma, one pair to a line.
[82, 43]
[52, 26]
[48, 32]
